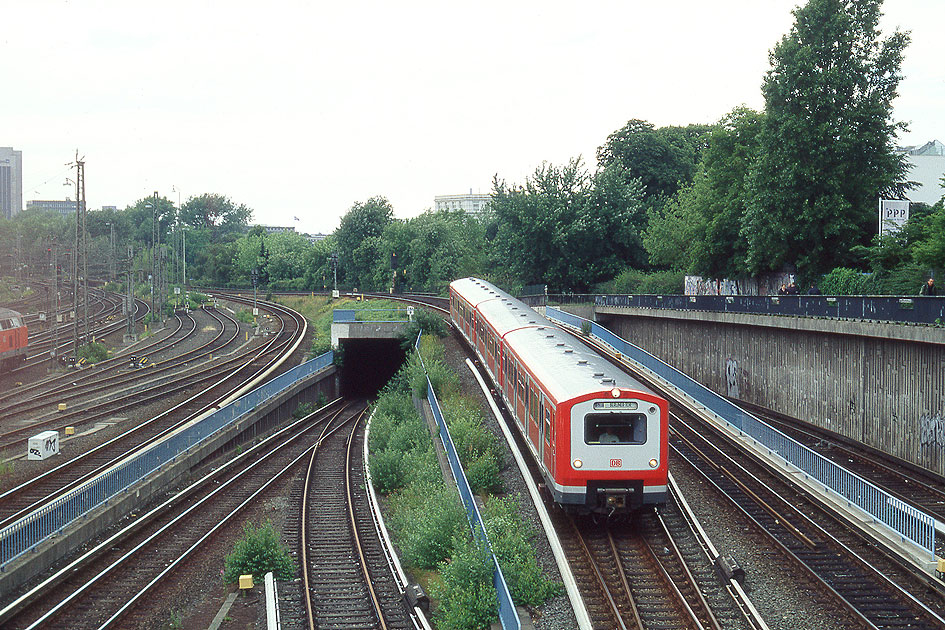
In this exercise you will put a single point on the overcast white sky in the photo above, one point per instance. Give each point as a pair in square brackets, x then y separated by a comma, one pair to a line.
[299, 109]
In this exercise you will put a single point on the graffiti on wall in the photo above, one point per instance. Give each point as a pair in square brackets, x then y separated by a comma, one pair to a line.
[731, 377]
[932, 431]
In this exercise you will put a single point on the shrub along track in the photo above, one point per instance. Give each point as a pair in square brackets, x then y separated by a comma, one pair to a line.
[113, 584]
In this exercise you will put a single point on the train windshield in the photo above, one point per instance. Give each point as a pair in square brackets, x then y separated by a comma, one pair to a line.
[615, 428]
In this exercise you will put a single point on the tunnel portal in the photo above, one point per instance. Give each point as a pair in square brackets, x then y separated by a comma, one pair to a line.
[368, 364]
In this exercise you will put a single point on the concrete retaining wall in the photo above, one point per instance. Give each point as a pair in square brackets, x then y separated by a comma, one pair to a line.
[880, 384]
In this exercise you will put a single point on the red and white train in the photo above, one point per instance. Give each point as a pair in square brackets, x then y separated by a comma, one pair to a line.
[599, 435]
[12, 339]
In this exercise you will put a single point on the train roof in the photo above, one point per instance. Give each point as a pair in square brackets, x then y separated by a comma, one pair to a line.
[565, 365]
[6, 313]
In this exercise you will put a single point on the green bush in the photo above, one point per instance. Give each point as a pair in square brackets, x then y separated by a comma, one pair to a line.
[634, 281]
[304, 409]
[511, 540]
[245, 316]
[844, 281]
[482, 474]
[423, 320]
[467, 597]
[426, 517]
[93, 352]
[257, 553]
[387, 470]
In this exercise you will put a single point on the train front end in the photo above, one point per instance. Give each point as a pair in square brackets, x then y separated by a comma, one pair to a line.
[615, 455]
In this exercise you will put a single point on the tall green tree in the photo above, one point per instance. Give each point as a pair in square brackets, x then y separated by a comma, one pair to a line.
[827, 145]
[358, 240]
[216, 213]
[662, 159]
[722, 194]
[566, 228]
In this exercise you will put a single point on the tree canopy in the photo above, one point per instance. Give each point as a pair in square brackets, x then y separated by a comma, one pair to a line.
[826, 149]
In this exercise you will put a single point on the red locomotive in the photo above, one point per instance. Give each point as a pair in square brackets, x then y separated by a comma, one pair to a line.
[12, 339]
[599, 435]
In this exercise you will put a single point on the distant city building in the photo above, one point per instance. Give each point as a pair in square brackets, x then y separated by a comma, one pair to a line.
[66, 206]
[11, 182]
[927, 167]
[275, 229]
[314, 238]
[473, 204]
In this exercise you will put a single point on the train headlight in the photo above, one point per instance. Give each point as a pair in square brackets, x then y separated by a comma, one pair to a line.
[654, 463]
[615, 393]
[577, 463]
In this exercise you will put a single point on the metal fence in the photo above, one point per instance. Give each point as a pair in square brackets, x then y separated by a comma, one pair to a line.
[910, 310]
[903, 520]
[28, 532]
[507, 615]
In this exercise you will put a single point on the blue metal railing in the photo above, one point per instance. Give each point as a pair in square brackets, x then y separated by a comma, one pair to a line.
[905, 521]
[31, 530]
[901, 309]
[507, 615]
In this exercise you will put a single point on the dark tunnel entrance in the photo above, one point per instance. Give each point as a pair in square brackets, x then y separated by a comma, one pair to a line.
[368, 364]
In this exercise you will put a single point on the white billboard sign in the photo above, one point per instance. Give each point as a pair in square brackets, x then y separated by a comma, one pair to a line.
[893, 214]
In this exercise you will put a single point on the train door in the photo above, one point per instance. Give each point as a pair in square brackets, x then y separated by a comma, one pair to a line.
[534, 402]
[521, 399]
[547, 436]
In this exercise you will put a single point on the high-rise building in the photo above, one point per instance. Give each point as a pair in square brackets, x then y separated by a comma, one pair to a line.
[11, 182]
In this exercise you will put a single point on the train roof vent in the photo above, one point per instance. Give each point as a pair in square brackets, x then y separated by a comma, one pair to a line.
[541, 328]
[560, 344]
[532, 321]
[549, 336]
[568, 351]
[598, 374]
[582, 362]
[605, 381]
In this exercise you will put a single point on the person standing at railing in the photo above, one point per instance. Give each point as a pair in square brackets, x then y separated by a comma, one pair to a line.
[929, 288]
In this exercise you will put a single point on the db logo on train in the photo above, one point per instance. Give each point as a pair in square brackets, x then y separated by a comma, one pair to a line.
[616, 463]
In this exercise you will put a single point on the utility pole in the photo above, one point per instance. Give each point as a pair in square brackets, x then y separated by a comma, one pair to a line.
[54, 301]
[130, 299]
[80, 200]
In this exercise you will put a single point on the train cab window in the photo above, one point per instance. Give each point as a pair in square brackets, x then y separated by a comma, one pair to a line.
[615, 428]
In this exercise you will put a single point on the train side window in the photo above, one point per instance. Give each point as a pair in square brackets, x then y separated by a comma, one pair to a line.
[547, 425]
[615, 428]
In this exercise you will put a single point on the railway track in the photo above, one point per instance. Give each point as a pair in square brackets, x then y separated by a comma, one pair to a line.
[907, 483]
[114, 374]
[216, 387]
[111, 585]
[873, 589]
[346, 580]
